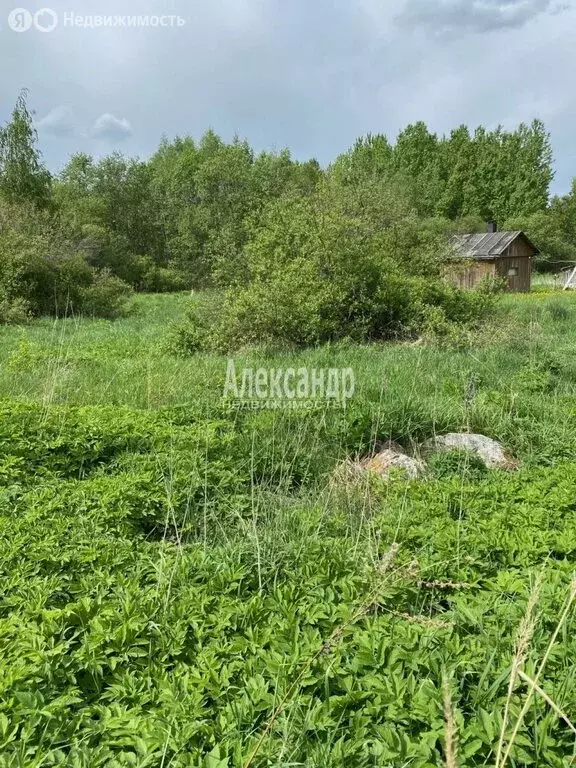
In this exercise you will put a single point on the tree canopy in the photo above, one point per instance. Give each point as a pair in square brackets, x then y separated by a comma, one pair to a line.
[188, 216]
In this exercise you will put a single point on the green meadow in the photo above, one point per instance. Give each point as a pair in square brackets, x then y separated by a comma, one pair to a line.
[187, 583]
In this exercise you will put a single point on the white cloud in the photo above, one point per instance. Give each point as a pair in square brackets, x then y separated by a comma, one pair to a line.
[58, 122]
[111, 128]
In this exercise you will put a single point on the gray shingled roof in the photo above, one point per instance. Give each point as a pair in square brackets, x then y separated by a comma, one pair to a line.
[485, 246]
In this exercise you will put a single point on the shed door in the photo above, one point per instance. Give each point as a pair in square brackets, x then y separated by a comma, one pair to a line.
[513, 275]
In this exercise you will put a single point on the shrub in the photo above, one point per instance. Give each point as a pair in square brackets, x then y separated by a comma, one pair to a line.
[14, 311]
[334, 266]
[296, 308]
[198, 331]
[164, 280]
[43, 273]
[105, 296]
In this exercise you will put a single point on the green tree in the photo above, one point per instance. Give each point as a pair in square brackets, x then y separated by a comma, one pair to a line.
[553, 230]
[458, 161]
[417, 160]
[23, 176]
[371, 156]
[205, 193]
[107, 208]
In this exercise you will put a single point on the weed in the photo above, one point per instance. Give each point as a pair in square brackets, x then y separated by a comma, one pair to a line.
[187, 584]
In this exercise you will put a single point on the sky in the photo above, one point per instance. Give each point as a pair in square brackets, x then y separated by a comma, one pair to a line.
[310, 75]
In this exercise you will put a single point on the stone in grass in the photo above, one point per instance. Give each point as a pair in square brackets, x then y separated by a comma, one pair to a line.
[490, 451]
[390, 461]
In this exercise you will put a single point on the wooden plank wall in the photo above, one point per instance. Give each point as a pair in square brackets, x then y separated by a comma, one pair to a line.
[518, 256]
[469, 275]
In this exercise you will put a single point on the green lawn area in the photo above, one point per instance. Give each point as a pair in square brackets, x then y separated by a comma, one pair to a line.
[185, 584]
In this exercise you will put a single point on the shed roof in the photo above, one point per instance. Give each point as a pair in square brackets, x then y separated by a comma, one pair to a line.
[489, 245]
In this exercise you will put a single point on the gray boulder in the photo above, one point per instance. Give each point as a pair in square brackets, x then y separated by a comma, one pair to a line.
[491, 452]
[391, 461]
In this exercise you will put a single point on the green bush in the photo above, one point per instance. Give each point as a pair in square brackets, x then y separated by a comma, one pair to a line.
[158, 279]
[198, 331]
[296, 308]
[334, 266]
[105, 296]
[14, 311]
[43, 273]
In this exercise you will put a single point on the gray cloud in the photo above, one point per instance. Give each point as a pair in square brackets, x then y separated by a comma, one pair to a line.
[58, 122]
[311, 76]
[449, 17]
[111, 128]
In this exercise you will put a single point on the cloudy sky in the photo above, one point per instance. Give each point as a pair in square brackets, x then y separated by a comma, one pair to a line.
[311, 75]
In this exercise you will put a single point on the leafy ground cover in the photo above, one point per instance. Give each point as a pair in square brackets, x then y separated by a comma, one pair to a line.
[186, 584]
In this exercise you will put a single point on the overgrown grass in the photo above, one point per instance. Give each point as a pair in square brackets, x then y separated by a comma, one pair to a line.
[186, 584]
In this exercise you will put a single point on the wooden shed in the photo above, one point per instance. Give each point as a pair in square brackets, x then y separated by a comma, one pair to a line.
[493, 254]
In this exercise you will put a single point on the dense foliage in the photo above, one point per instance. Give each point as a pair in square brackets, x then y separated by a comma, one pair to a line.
[44, 269]
[176, 572]
[188, 583]
[490, 174]
[44, 272]
[195, 214]
[339, 263]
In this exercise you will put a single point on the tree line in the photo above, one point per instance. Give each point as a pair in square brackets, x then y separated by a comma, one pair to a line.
[195, 213]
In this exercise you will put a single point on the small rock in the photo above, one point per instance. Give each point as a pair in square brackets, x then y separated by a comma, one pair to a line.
[490, 451]
[388, 461]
